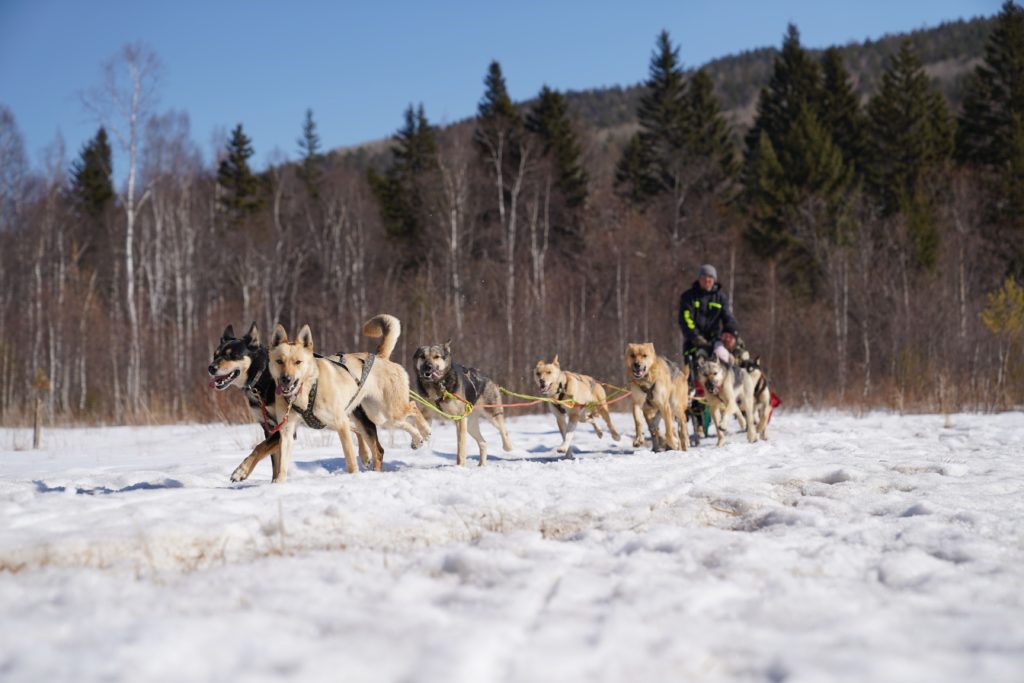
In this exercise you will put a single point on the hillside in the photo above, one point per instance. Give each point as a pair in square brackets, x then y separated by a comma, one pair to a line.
[948, 51]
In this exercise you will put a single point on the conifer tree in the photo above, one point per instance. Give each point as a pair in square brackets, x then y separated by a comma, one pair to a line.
[707, 132]
[990, 134]
[311, 163]
[241, 186]
[499, 125]
[549, 120]
[795, 84]
[683, 150]
[911, 136]
[91, 176]
[400, 190]
[841, 113]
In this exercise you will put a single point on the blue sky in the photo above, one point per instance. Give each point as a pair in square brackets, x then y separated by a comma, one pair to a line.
[359, 64]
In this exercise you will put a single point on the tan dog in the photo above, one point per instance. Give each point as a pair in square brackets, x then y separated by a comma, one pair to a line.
[324, 392]
[660, 391]
[585, 395]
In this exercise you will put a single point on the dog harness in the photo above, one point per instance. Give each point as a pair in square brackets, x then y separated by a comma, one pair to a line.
[307, 413]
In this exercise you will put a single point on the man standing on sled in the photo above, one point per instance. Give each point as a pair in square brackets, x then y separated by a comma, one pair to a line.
[708, 325]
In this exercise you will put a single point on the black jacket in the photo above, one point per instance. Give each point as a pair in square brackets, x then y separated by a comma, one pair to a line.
[706, 313]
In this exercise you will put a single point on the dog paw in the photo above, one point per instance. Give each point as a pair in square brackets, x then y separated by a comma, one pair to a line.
[638, 443]
[562, 450]
[416, 443]
[239, 474]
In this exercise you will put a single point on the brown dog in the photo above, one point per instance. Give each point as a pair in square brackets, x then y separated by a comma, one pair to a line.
[585, 397]
[660, 391]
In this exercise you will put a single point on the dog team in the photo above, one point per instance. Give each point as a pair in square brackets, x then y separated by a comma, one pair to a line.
[286, 382]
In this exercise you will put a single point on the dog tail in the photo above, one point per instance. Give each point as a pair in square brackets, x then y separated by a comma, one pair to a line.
[386, 326]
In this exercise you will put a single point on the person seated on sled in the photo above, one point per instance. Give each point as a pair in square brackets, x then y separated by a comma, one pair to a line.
[707, 322]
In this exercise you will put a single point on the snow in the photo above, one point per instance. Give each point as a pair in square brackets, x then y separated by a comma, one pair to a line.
[872, 548]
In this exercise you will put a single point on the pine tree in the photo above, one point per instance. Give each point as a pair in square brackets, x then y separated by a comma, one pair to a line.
[662, 138]
[841, 113]
[910, 137]
[311, 163]
[707, 133]
[990, 134]
[241, 187]
[549, 120]
[796, 83]
[400, 190]
[995, 93]
[499, 125]
[91, 176]
[683, 151]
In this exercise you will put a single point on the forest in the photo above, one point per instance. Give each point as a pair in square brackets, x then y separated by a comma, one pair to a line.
[863, 205]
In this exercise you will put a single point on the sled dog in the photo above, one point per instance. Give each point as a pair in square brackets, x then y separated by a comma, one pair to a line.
[452, 387]
[734, 390]
[324, 392]
[585, 397]
[660, 391]
[243, 363]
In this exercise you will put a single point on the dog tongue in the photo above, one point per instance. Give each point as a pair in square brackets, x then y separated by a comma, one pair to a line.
[213, 383]
[278, 391]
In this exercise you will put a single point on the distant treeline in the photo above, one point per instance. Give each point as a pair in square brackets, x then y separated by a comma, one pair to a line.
[864, 207]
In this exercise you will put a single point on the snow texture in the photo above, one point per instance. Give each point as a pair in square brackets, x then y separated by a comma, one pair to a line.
[874, 548]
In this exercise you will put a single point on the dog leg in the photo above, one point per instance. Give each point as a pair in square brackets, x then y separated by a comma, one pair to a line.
[603, 410]
[653, 418]
[420, 422]
[570, 430]
[481, 442]
[498, 420]
[269, 445]
[670, 425]
[638, 415]
[460, 448]
[561, 419]
[280, 459]
[680, 417]
[345, 434]
[766, 412]
[751, 424]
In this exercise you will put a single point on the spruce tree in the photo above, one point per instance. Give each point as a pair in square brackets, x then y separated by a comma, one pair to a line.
[549, 120]
[683, 149]
[91, 176]
[499, 124]
[400, 190]
[795, 83]
[311, 162]
[241, 187]
[841, 113]
[990, 134]
[707, 133]
[910, 138]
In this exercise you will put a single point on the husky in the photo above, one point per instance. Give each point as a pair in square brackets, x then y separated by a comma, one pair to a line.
[452, 387]
[243, 363]
[660, 391]
[584, 395]
[739, 390]
[323, 392]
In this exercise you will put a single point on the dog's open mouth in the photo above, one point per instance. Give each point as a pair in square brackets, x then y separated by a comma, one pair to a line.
[290, 390]
[639, 373]
[432, 374]
[222, 382]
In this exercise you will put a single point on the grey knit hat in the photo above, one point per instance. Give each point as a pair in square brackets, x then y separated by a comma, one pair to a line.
[709, 270]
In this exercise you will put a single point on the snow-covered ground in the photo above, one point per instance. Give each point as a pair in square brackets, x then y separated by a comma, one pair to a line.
[879, 548]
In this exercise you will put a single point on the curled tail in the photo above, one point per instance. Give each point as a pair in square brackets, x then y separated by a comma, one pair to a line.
[386, 326]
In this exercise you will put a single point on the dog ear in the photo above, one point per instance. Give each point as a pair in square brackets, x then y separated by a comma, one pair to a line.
[280, 336]
[252, 337]
[448, 348]
[305, 337]
[555, 361]
[229, 334]
[421, 352]
[700, 361]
